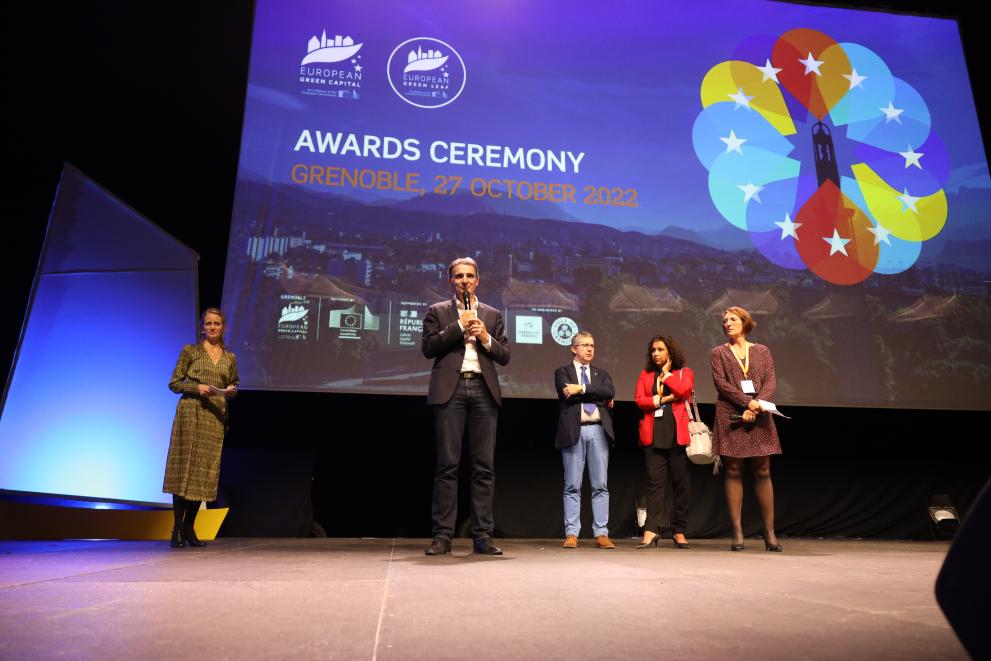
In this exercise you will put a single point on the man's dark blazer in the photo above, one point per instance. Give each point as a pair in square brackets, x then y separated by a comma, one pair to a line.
[599, 391]
[443, 340]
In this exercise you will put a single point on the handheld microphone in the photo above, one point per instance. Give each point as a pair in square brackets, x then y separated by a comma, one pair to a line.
[466, 298]
[735, 417]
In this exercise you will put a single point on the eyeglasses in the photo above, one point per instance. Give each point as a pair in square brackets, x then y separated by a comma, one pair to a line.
[586, 346]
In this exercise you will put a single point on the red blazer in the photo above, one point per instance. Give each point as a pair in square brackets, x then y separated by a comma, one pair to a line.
[680, 383]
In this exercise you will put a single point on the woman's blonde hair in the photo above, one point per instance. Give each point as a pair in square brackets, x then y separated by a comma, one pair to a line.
[223, 320]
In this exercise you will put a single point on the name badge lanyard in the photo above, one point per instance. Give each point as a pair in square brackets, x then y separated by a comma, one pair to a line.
[659, 412]
[746, 385]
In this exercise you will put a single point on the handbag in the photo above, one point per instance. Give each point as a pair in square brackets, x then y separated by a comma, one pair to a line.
[699, 449]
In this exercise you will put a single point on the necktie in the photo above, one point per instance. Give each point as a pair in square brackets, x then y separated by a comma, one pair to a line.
[588, 408]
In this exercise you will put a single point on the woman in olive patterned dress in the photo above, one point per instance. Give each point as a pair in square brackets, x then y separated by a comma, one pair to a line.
[743, 373]
[193, 465]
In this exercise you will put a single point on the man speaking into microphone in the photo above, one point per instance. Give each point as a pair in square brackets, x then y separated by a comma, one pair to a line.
[465, 338]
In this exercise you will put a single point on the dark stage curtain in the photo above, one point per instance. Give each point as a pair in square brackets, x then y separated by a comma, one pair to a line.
[844, 472]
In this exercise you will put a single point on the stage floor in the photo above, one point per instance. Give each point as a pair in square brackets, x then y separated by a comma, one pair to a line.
[383, 599]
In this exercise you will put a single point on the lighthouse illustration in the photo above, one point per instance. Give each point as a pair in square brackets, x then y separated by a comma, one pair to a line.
[825, 154]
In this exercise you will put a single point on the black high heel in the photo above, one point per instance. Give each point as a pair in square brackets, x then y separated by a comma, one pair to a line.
[177, 541]
[680, 545]
[733, 546]
[768, 546]
[653, 542]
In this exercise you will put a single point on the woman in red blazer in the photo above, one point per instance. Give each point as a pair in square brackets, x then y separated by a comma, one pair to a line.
[663, 390]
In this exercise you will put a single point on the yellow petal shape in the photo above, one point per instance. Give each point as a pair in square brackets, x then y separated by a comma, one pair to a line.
[891, 212]
[728, 78]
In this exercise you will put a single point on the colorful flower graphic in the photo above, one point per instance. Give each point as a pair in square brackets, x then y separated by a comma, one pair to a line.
[876, 193]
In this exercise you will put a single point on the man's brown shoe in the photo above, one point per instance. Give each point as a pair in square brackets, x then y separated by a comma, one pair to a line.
[603, 542]
[570, 542]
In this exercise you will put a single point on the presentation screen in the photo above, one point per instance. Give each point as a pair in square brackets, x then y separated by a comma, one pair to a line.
[626, 168]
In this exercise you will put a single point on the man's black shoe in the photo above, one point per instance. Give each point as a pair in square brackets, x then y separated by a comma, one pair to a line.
[440, 546]
[484, 546]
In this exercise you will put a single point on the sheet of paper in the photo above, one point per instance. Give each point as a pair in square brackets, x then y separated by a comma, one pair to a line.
[769, 407]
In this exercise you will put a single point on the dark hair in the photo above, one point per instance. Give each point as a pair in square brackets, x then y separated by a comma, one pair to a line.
[748, 322]
[675, 352]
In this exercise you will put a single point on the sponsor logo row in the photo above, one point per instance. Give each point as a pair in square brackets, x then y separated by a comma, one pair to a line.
[406, 325]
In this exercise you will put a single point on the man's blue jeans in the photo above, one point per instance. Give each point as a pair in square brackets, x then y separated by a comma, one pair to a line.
[592, 448]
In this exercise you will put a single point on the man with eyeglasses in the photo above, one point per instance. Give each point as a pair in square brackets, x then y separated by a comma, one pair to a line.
[584, 432]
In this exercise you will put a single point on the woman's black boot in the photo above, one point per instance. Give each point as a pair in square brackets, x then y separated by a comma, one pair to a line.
[188, 531]
[178, 512]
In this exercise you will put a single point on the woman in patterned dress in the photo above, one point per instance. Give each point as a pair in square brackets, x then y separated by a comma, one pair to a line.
[206, 376]
[743, 373]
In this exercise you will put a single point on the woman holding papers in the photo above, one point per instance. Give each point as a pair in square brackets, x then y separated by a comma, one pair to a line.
[743, 373]
[206, 376]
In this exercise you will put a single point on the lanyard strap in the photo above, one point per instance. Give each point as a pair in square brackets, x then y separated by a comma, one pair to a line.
[745, 362]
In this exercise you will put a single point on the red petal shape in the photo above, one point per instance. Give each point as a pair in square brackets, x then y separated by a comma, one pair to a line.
[827, 210]
[818, 93]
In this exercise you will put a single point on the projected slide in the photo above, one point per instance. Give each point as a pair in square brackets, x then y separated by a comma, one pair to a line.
[627, 168]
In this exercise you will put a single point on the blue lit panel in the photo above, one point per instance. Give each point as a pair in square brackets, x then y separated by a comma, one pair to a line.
[87, 411]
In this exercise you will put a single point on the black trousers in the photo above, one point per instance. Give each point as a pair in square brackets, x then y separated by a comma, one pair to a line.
[660, 464]
[470, 410]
